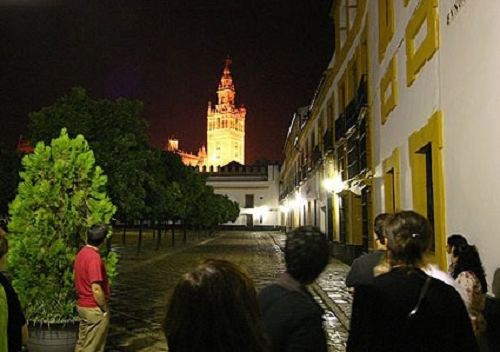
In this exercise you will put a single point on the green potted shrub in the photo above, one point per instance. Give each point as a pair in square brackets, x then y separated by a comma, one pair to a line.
[61, 194]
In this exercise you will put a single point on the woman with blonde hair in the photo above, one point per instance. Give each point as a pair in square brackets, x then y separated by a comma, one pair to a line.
[405, 309]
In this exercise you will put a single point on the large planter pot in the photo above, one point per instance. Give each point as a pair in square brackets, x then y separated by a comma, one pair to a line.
[53, 337]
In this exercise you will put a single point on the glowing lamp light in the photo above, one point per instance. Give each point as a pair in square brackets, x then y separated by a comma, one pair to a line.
[260, 211]
[284, 208]
[298, 201]
[335, 184]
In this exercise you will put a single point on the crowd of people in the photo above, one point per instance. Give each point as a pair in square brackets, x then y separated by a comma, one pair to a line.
[400, 302]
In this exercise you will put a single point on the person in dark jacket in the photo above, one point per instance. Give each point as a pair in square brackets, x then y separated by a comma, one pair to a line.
[404, 309]
[362, 268]
[292, 319]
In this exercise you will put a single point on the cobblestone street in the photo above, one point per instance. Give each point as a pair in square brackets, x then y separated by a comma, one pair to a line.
[145, 282]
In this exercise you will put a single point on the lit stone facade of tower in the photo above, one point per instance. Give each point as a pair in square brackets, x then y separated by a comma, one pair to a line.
[225, 125]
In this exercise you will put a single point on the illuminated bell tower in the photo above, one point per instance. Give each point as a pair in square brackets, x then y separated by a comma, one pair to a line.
[225, 125]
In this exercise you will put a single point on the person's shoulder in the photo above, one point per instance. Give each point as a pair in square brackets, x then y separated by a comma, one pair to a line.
[87, 252]
[374, 256]
[278, 295]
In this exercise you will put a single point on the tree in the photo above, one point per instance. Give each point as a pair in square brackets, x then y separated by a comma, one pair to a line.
[115, 131]
[61, 194]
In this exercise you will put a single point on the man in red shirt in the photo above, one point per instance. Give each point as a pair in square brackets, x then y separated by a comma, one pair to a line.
[92, 288]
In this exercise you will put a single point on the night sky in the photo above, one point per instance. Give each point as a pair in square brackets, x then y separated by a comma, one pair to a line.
[170, 55]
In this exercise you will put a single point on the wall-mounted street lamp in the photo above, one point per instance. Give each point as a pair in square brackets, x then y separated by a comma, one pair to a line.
[332, 185]
[335, 184]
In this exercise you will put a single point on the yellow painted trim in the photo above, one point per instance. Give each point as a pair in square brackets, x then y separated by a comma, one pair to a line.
[385, 26]
[341, 52]
[392, 189]
[432, 133]
[426, 11]
[387, 104]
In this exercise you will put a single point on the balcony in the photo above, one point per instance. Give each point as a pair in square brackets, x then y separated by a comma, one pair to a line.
[316, 155]
[340, 127]
[349, 118]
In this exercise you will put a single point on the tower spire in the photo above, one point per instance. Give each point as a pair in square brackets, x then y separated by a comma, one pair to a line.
[226, 81]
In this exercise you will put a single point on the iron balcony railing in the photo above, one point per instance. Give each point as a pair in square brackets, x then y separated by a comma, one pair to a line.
[349, 118]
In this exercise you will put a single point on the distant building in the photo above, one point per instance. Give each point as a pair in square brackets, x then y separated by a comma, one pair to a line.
[189, 159]
[255, 188]
[225, 129]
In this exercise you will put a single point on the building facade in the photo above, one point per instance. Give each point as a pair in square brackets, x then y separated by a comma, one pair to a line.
[194, 160]
[225, 125]
[255, 188]
[405, 117]
[326, 175]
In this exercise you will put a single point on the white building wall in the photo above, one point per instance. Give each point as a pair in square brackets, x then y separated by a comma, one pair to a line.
[266, 196]
[461, 80]
[415, 103]
[470, 74]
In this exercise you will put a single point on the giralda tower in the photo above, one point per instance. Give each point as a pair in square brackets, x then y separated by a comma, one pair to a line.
[225, 125]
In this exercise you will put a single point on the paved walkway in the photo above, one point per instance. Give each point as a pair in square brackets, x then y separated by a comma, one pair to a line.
[141, 291]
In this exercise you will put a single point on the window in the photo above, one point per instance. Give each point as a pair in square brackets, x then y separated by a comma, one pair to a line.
[329, 113]
[342, 219]
[426, 161]
[249, 200]
[389, 90]
[421, 41]
[342, 96]
[366, 232]
[385, 25]
[392, 184]
[352, 79]
[342, 20]
[351, 12]
[341, 162]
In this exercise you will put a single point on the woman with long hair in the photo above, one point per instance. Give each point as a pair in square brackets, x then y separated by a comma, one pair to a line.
[405, 309]
[470, 280]
[214, 308]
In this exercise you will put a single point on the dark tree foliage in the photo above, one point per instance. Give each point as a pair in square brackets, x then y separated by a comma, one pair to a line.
[143, 183]
[116, 132]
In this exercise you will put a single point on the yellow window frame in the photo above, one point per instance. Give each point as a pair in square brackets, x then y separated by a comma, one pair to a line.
[387, 104]
[385, 25]
[431, 133]
[392, 182]
[416, 58]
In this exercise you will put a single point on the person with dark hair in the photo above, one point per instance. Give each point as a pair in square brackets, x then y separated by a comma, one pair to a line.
[14, 328]
[405, 309]
[362, 268]
[92, 288]
[471, 282]
[291, 318]
[492, 314]
[453, 241]
[214, 308]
